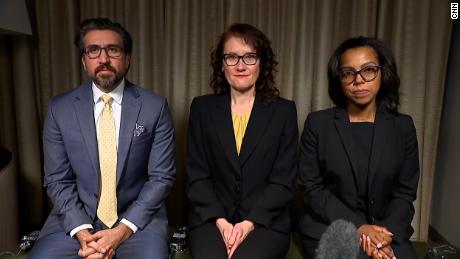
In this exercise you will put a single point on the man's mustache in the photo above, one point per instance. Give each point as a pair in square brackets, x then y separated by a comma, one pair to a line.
[105, 67]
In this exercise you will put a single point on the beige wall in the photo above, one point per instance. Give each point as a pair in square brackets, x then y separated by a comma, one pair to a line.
[445, 211]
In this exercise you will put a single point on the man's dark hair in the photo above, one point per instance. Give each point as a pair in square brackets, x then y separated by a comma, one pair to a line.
[388, 95]
[103, 24]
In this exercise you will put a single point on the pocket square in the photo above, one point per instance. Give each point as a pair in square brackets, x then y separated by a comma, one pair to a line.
[139, 130]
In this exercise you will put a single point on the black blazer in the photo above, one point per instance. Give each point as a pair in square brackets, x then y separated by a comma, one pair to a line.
[327, 173]
[257, 184]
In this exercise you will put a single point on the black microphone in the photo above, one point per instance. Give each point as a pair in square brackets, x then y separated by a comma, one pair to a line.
[339, 241]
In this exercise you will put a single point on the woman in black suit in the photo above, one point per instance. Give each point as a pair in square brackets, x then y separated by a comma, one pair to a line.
[359, 161]
[241, 154]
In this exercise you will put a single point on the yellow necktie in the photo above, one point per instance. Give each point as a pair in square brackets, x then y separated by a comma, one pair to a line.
[107, 207]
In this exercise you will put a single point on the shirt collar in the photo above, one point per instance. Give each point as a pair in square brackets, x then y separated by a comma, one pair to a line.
[116, 94]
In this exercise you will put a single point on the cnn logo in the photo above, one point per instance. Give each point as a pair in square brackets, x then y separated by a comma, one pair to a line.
[454, 11]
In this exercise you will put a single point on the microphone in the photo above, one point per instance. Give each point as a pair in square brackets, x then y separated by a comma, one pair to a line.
[339, 241]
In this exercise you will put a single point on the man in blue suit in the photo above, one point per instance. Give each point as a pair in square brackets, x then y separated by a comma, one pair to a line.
[109, 158]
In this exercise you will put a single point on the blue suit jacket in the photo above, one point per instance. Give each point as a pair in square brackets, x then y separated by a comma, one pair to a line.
[145, 166]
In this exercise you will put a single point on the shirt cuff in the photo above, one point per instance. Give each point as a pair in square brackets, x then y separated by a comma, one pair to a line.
[84, 226]
[129, 224]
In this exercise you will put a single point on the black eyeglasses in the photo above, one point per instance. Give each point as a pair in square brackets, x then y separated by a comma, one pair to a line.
[368, 73]
[94, 51]
[248, 59]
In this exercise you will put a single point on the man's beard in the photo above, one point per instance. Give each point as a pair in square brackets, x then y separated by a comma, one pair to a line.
[108, 81]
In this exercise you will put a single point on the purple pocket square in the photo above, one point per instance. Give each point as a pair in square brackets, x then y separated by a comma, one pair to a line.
[139, 130]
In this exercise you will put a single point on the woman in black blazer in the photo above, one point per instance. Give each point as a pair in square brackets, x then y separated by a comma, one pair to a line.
[359, 161]
[241, 154]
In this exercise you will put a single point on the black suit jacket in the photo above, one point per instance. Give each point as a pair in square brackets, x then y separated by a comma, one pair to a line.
[257, 184]
[327, 173]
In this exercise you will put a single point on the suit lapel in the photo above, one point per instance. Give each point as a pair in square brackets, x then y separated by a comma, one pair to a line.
[223, 125]
[84, 109]
[381, 128]
[342, 124]
[130, 108]
[260, 116]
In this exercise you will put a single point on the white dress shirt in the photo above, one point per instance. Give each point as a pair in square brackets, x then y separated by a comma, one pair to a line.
[117, 96]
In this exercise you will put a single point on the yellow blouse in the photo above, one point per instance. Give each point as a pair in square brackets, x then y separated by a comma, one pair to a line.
[240, 122]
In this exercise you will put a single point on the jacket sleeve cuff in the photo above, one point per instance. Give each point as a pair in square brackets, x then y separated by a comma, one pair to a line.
[84, 226]
[131, 225]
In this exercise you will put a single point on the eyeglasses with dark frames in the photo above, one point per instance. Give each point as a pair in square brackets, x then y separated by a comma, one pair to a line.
[94, 51]
[367, 73]
[248, 59]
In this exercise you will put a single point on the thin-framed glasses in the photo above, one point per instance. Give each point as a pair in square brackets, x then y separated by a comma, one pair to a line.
[368, 73]
[248, 59]
[94, 51]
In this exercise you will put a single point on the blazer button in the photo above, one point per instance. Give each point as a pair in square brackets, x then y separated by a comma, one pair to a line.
[371, 202]
[373, 220]
[237, 177]
[237, 189]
